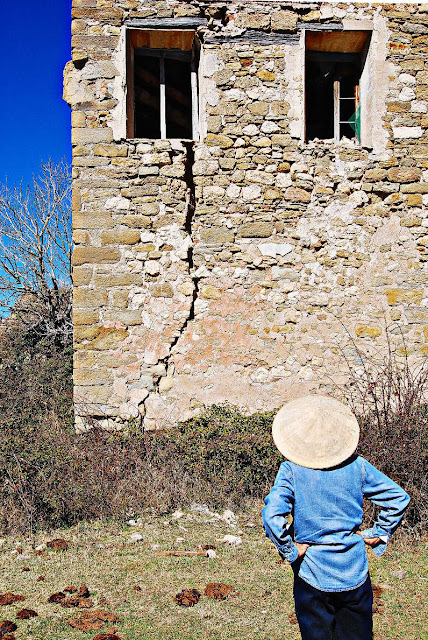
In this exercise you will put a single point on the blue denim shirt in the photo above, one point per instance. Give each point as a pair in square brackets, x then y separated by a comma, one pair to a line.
[327, 510]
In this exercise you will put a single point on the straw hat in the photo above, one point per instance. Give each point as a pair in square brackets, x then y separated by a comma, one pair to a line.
[316, 432]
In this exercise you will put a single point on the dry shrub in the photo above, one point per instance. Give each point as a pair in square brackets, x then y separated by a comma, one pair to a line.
[388, 393]
[50, 476]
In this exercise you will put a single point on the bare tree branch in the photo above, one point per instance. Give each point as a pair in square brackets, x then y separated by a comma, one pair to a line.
[35, 252]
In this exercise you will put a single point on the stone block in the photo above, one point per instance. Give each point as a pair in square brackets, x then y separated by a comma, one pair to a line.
[92, 220]
[217, 235]
[255, 230]
[99, 69]
[253, 20]
[108, 338]
[295, 194]
[281, 140]
[284, 20]
[136, 221]
[91, 136]
[209, 292]
[373, 175]
[81, 275]
[125, 236]
[94, 394]
[78, 119]
[404, 174]
[85, 317]
[365, 331]
[401, 133]
[111, 150]
[214, 140]
[95, 255]
[273, 193]
[89, 298]
[259, 108]
[266, 76]
[116, 279]
[127, 317]
[163, 290]
[404, 296]
[417, 187]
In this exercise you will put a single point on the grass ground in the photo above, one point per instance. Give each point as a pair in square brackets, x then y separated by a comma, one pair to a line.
[101, 556]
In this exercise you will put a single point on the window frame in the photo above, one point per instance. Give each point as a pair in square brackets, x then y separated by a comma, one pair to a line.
[363, 53]
[162, 53]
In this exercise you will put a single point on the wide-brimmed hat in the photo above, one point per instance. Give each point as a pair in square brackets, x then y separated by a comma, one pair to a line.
[316, 432]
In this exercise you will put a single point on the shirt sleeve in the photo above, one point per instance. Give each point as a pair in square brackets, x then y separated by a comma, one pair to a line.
[392, 499]
[279, 503]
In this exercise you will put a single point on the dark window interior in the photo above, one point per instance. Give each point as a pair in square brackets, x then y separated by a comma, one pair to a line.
[333, 65]
[147, 96]
[178, 99]
[171, 68]
[322, 70]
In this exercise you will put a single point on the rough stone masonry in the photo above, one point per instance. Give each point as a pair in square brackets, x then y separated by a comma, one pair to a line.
[231, 266]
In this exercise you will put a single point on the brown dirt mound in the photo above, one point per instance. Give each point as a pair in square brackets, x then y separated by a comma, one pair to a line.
[93, 620]
[377, 599]
[56, 597]
[25, 614]
[77, 601]
[70, 589]
[59, 544]
[292, 618]
[187, 597]
[7, 626]
[10, 598]
[107, 636]
[8, 636]
[219, 591]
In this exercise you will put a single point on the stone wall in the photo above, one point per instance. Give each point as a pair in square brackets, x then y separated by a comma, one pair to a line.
[231, 268]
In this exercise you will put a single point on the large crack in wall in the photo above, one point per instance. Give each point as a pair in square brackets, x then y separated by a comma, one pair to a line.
[165, 383]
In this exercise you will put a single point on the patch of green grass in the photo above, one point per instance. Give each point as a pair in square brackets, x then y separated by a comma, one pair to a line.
[101, 556]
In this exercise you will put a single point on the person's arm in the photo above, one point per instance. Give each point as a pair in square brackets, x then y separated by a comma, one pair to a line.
[393, 501]
[279, 503]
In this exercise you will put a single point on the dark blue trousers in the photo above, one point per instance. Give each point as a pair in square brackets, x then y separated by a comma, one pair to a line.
[325, 615]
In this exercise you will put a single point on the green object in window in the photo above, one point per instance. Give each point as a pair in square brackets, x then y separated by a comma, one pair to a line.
[355, 122]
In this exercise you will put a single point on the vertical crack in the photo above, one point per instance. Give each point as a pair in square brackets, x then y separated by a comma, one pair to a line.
[188, 227]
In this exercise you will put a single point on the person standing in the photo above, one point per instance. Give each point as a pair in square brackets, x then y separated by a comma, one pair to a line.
[321, 486]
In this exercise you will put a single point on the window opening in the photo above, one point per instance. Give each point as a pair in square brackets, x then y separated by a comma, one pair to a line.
[162, 85]
[333, 65]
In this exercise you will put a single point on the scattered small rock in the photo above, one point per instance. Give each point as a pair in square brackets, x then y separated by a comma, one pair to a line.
[137, 588]
[83, 591]
[234, 541]
[41, 547]
[211, 553]
[135, 537]
[177, 514]
[40, 578]
[229, 517]
[93, 620]
[59, 544]
[25, 614]
[7, 626]
[219, 591]
[292, 618]
[39, 552]
[56, 597]
[10, 598]
[401, 574]
[187, 597]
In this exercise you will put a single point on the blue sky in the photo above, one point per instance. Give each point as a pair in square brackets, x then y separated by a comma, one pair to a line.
[35, 122]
